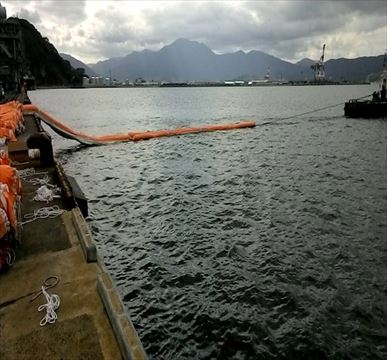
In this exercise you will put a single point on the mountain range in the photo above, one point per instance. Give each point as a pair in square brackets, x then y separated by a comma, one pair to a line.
[186, 60]
[75, 63]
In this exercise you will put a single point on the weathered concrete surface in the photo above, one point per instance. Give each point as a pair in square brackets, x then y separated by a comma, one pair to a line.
[54, 238]
[83, 327]
[53, 343]
[126, 335]
[80, 308]
[51, 247]
[84, 235]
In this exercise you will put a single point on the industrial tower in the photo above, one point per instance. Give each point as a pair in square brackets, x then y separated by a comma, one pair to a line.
[319, 67]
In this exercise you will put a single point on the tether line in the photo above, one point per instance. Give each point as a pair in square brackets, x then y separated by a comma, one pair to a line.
[315, 110]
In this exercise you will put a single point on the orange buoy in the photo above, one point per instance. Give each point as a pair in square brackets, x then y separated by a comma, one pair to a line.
[11, 120]
[4, 158]
[10, 177]
[9, 203]
[68, 132]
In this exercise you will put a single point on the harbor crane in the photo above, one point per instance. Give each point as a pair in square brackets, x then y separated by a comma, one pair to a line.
[319, 67]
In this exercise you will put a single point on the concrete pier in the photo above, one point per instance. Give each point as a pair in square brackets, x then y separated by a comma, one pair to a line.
[92, 322]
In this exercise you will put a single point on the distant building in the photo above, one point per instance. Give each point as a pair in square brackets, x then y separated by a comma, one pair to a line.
[99, 81]
[139, 81]
[127, 82]
[266, 80]
[234, 83]
[85, 82]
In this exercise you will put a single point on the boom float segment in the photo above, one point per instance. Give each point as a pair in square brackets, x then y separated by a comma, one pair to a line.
[70, 133]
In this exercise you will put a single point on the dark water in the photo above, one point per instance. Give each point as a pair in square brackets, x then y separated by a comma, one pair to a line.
[268, 243]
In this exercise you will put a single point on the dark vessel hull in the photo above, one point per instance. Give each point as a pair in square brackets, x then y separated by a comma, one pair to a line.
[365, 109]
[173, 84]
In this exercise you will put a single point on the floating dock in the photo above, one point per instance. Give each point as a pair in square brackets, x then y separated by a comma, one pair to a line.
[92, 322]
[366, 109]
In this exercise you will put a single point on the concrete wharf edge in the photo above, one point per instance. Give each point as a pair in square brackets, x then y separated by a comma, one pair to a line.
[89, 298]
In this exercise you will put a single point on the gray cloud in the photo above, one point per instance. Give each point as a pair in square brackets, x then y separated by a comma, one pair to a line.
[70, 11]
[31, 16]
[289, 29]
[17, 3]
[280, 28]
[366, 7]
[114, 26]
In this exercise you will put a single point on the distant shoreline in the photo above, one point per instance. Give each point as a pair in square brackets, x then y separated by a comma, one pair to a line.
[185, 85]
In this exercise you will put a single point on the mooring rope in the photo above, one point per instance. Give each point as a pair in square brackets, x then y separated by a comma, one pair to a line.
[43, 213]
[46, 193]
[11, 257]
[25, 173]
[53, 301]
[39, 181]
[313, 111]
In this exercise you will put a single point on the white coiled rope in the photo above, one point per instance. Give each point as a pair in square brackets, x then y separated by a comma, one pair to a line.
[39, 181]
[53, 302]
[24, 173]
[46, 193]
[11, 257]
[43, 213]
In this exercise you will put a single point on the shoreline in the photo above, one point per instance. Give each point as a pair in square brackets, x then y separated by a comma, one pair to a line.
[207, 85]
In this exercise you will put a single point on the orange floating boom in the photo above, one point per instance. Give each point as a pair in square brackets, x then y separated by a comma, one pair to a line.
[70, 133]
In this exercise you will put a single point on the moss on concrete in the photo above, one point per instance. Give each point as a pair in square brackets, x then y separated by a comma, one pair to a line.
[75, 338]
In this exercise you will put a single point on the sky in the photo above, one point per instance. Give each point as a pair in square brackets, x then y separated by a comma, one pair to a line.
[292, 30]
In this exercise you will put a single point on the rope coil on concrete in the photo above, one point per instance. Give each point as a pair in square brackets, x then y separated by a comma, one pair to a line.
[24, 173]
[53, 302]
[47, 193]
[39, 181]
[11, 257]
[43, 213]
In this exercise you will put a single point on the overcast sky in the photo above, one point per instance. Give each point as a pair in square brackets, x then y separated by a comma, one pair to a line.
[291, 30]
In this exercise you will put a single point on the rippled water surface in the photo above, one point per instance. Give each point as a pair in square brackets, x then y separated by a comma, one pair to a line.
[265, 243]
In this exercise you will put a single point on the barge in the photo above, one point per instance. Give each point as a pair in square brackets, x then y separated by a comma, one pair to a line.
[366, 109]
[375, 108]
